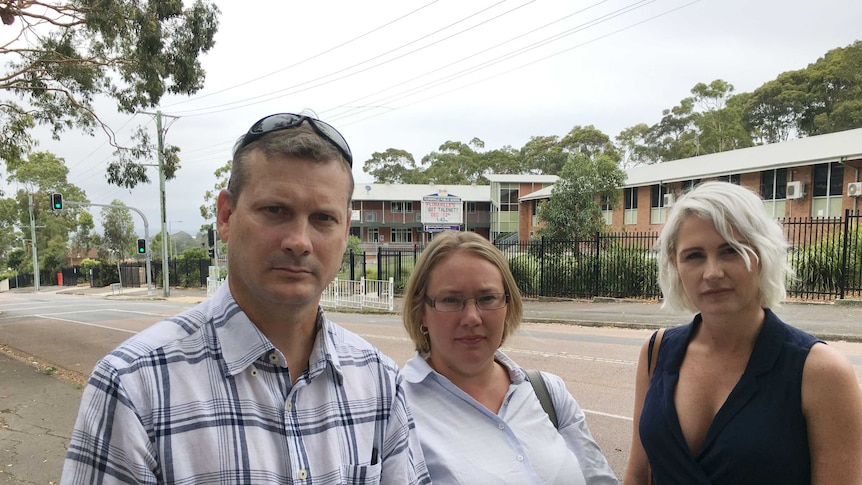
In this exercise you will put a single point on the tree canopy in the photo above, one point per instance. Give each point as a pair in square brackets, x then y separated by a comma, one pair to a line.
[65, 54]
[42, 174]
[822, 98]
[573, 212]
[120, 237]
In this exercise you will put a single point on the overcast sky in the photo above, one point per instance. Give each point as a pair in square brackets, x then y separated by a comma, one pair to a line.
[414, 74]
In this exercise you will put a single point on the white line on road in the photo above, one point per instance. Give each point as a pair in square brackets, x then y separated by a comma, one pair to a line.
[608, 415]
[368, 336]
[85, 323]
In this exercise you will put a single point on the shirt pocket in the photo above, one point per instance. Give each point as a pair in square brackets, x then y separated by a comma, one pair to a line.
[360, 474]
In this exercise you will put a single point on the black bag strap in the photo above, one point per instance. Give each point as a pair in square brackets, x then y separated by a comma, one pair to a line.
[652, 355]
[541, 390]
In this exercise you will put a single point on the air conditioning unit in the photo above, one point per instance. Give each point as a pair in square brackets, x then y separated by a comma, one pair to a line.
[669, 199]
[854, 189]
[794, 190]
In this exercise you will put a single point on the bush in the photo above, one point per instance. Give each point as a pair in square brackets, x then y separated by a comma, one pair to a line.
[371, 273]
[628, 273]
[819, 268]
[525, 269]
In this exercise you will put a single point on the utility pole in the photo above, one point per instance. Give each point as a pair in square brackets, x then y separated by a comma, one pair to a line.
[160, 146]
[166, 277]
[33, 241]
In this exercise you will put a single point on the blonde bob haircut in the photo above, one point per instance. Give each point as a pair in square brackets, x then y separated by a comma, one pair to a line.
[739, 216]
[442, 246]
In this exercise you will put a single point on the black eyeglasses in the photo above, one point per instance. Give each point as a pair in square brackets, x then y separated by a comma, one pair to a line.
[283, 121]
[491, 301]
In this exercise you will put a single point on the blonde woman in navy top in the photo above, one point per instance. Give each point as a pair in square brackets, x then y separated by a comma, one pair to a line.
[737, 396]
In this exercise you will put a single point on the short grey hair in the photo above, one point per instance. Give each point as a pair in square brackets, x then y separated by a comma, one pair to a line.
[730, 208]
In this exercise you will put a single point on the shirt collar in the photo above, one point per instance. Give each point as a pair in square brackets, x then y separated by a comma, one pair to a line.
[417, 369]
[242, 343]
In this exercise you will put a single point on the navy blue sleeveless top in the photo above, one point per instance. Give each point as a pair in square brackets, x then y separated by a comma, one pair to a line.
[759, 435]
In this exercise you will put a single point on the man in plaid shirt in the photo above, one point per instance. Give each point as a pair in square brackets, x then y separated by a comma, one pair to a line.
[256, 385]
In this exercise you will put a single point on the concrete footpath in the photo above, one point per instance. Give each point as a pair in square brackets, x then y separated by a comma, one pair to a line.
[37, 408]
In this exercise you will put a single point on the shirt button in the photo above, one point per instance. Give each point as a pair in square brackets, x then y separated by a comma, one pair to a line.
[303, 474]
[520, 457]
[501, 426]
[289, 405]
[253, 372]
[273, 357]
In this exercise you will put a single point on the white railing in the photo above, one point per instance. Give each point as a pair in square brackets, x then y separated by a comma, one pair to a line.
[373, 294]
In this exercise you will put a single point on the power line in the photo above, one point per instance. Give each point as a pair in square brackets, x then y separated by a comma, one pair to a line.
[315, 56]
[529, 63]
[294, 89]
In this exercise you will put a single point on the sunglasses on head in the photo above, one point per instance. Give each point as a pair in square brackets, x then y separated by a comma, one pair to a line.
[283, 121]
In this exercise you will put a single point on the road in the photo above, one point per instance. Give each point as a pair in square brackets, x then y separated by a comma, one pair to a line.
[597, 363]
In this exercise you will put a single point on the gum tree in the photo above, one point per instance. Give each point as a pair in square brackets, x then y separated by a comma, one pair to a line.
[63, 55]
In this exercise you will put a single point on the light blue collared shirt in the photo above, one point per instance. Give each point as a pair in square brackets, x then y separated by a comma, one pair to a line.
[465, 443]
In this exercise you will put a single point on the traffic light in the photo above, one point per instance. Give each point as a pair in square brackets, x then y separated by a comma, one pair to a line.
[211, 237]
[142, 246]
[211, 252]
[57, 202]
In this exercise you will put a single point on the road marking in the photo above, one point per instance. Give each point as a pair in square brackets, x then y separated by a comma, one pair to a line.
[369, 336]
[510, 350]
[562, 355]
[608, 415]
[87, 324]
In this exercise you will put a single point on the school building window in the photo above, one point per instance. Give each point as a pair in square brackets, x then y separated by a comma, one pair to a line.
[402, 235]
[630, 205]
[402, 207]
[732, 178]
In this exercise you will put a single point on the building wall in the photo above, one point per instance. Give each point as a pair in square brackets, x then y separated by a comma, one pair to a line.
[384, 223]
[793, 208]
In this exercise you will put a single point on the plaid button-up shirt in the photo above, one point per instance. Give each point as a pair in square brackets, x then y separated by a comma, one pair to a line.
[204, 397]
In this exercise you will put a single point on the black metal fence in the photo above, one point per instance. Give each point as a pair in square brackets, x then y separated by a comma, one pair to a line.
[185, 273]
[826, 257]
[616, 265]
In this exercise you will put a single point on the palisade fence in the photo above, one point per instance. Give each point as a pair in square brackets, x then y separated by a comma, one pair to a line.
[825, 254]
[185, 273]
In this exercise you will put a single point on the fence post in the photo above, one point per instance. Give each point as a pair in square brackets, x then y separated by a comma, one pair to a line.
[845, 257]
[362, 292]
[597, 264]
[352, 269]
[391, 293]
[541, 267]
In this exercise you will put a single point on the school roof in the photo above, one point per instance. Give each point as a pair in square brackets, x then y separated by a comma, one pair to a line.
[832, 147]
[521, 178]
[411, 192]
[539, 194]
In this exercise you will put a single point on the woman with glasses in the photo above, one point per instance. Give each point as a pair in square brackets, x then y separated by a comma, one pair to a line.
[477, 416]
